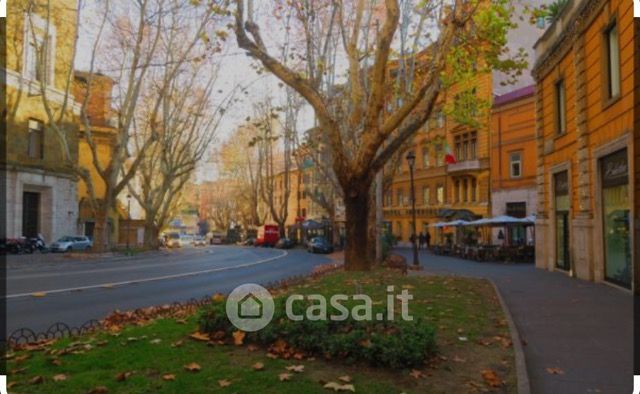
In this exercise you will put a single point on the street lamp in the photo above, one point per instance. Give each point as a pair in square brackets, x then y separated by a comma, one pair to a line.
[411, 159]
[128, 219]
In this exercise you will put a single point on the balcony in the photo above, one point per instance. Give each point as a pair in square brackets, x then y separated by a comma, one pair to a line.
[468, 165]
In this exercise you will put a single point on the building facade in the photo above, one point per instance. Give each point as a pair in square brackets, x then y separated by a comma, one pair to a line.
[41, 187]
[585, 150]
[513, 159]
[98, 87]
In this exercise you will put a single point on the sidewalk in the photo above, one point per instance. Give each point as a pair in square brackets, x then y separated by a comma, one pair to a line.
[583, 329]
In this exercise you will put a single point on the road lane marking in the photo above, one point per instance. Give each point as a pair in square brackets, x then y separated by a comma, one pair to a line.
[152, 279]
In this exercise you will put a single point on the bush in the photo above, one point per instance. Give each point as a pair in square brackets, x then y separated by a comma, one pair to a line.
[388, 242]
[394, 344]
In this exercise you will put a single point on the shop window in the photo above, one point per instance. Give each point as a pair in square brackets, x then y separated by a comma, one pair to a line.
[562, 202]
[613, 61]
[616, 208]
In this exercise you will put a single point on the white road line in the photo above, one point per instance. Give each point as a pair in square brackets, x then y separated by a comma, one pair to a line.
[144, 280]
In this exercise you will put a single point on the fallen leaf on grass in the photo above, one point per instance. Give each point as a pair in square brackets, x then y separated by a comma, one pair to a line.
[238, 337]
[258, 366]
[416, 374]
[272, 356]
[155, 341]
[555, 371]
[339, 387]
[11, 384]
[252, 348]
[59, 378]
[36, 380]
[224, 383]
[122, 376]
[22, 358]
[345, 378]
[200, 336]
[491, 378]
[169, 377]
[56, 361]
[177, 343]
[285, 376]
[193, 367]
[459, 359]
[295, 368]
[99, 390]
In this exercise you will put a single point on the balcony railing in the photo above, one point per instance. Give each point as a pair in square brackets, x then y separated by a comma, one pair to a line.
[468, 165]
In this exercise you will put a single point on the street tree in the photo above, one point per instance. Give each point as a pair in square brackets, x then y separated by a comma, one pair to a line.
[461, 38]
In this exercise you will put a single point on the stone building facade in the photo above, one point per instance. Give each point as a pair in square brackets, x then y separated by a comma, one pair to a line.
[513, 159]
[584, 134]
[41, 187]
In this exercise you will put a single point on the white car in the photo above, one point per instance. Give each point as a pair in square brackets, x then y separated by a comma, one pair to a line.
[199, 240]
[69, 243]
[186, 240]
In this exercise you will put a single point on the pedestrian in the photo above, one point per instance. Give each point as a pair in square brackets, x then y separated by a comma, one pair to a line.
[428, 240]
[412, 239]
[422, 239]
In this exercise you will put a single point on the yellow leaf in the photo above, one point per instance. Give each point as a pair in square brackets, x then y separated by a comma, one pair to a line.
[258, 366]
[295, 368]
[59, 377]
[200, 336]
[169, 377]
[192, 367]
[238, 337]
[285, 376]
[224, 383]
[339, 387]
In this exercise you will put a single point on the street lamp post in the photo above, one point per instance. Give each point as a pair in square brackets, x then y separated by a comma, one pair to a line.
[128, 219]
[411, 159]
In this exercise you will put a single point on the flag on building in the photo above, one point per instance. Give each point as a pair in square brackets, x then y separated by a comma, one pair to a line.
[449, 158]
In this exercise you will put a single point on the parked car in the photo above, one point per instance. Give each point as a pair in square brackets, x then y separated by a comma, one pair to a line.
[285, 243]
[173, 240]
[248, 242]
[69, 243]
[186, 240]
[319, 245]
[217, 239]
[199, 240]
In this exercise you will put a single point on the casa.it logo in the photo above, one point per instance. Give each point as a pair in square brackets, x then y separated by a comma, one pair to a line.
[636, 8]
[3, 384]
[3, 14]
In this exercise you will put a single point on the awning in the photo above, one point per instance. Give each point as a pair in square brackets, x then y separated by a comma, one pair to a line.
[454, 223]
[502, 220]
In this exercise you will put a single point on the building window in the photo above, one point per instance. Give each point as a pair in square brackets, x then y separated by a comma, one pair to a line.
[439, 155]
[561, 195]
[425, 157]
[517, 209]
[613, 61]
[426, 198]
[456, 191]
[399, 229]
[389, 199]
[465, 145]
[399, 199]
[37, 65]
[474, 188]
[440, 194]
[561, 108]
[36, 139]
[515, 164]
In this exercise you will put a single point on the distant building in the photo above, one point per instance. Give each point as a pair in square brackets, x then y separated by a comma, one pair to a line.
[41, 186]
[103, 133]
[585, 144]
[513, 158]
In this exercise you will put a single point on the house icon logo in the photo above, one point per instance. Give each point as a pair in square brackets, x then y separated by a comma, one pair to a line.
[250, 307]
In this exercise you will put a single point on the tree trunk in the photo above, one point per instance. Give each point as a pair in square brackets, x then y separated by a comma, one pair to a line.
[101, 233]
[357, 246]
[151, 234]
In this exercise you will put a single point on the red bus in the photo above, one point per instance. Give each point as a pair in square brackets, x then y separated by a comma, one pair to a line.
[268, 235]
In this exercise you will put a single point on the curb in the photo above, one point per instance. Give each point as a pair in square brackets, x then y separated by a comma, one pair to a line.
[524, 386]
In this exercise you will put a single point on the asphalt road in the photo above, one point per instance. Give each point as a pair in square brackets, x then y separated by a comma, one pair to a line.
[40, 294]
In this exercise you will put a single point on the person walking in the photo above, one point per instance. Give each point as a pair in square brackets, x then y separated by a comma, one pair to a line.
[422, 239]
[428, 240]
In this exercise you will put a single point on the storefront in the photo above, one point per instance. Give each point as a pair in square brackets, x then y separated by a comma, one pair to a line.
[616, 213]
[562, 202]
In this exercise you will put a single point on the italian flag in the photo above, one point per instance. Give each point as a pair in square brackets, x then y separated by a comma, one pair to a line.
[449, 158]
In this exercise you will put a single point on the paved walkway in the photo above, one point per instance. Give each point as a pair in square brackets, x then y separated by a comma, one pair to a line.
[582, 328]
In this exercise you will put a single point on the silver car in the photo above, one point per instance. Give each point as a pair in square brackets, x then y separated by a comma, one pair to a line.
[69, 243]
